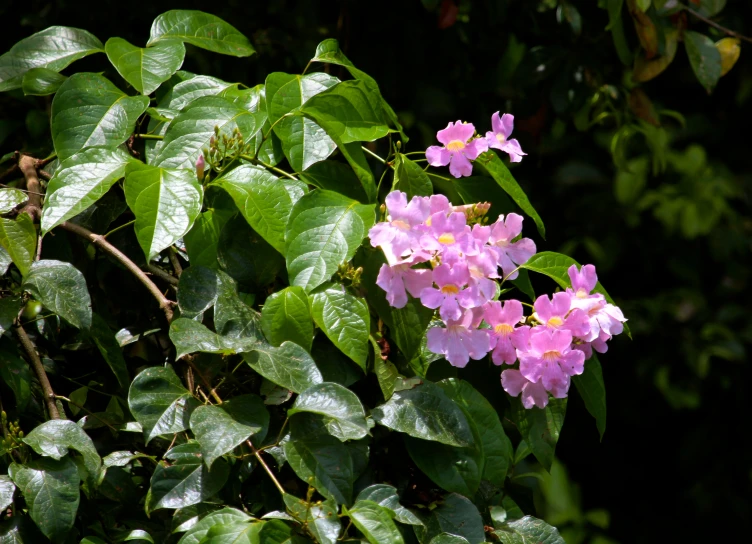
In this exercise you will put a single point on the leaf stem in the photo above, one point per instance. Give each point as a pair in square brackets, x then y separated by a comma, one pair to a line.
[266, 467]
[268, 166]
[80, 407]
[374, 155]
[716, 25]
[415, 153]
[38, 367]
[438, 176]
[120, 227]
[149, 136]
[161, 274]
[176, 266]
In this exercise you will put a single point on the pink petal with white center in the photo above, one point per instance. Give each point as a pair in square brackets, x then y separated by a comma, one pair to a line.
[584, 279]
[513, 149]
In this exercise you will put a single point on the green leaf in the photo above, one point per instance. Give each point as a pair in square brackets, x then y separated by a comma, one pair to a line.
[319, 459]
[54, 438]
[190, 336]
[186, 481]
[108, 346]
[447, 538]
[342, 412]
[201, 242]
[286, 315]
[145, 69]
[89, 111]
[219, 429]
[425, 412]
[19, 238]
[288, 366]
[457, 516]
[50, 489]
[499, 172]
[386, 496]
[81, 180]
[234, 533]
[262, 199]
[53, 48]
[410, 178]
[9, 307]
[344, 319]
[355, 157]
[709, 8]
[453, 469]
[497, 448]
[334, 176]
[191, 87]
[165, 202]
[592, 390]
[324, 230]
[7, 488]
[246, 256]
[320, 518]
[555, 266]
[540, 428]
[202, 30]
[62, 289]
[41, 82]
[616, 25]
[529, 530]
[191, 131]
[225, 516]
[160, 403]
[704, 58]
[349, 111]
[375, 522]
[15, 372]
[5, 260]
[10, 198]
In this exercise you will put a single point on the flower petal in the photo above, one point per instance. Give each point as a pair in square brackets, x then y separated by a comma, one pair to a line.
[438, 156]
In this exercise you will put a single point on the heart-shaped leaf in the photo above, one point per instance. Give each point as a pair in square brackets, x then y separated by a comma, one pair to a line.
[145, 68]
[62, 289]
[202, 30]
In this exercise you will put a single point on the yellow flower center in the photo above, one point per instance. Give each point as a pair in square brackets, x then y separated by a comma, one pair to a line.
[450, 290]
[555, 321]
[500, 138]
[503, 329]
[551, 356]
[428, 221]
[456, 145]
[400, 224]
[581, 293]
[447, 239]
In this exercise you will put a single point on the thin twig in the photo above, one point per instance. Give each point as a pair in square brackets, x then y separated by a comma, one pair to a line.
[44, 174]
[89, 412]
[374, 155]
[174, 261]
[28, 166]
[716, 25]
[38, 367]
[266, 467]
[149, 136]
[161, 274]
[99, 241]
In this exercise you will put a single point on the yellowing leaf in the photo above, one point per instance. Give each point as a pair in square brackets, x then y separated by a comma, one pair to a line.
[730, 50]
[646, 69]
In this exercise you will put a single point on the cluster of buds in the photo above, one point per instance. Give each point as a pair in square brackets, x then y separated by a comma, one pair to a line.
[221, 148]
[13, 439]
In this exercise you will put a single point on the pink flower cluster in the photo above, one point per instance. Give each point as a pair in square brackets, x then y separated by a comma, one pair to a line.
[461, 146]
[435, 256]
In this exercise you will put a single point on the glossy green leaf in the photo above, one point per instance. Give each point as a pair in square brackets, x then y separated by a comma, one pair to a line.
[349, 111]
[145, 68]
[190, 87]
[324, 230]
[246, 256]
[319, 459]
[540, 428]
[165, 202]
[89, 111]
[53, 48]
[453, 469]
[321, 518]
[15, 372]
[355, 157]
[10, 198]
[555, 266]
[190, 336]
[221, 428]
[9, 308]
[447, 538]
[375, 522]
[457, 515]
[704, 58]
[186, 480]
[410, 178]
[225, 516]
[499, 172]
[425, 412]
[41, 82]
[5, 260]
[593, 391]
[191, 131]
[202, 30]
[202, 240]
[7, 489]
[234, 533]
[497, 448]
[345, 320]
[262, 199]
[108, 346]
[19, 238]
[386, 496]
[50, 489]
[342, 412]
[53, 439]
[529, 530]
[288, 366]
[80, 181]
[160, 403]
[286, 315]
[62, 289]
[335, 176]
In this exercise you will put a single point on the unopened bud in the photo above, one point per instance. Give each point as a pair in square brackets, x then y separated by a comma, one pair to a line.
[200, 165]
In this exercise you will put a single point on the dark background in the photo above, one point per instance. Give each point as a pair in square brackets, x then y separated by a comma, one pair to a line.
[672, 246]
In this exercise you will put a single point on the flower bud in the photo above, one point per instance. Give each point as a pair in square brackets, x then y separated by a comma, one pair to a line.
[200, 165]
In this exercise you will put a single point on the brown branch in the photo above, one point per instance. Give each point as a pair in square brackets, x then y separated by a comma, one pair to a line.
[257, 453]
[100, 241]
[44, 174]
[28, 166]
[716, 25]
[38, 367]
[161, 274]
[172, 254]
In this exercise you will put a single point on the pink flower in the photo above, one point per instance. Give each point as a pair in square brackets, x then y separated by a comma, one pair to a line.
[555, 314]
[507, 332]
[447, 232]
[459, 149]
[400, 279]
[550, 358]
[511, 254]
[583, 282]
[532, 394]
[450, 294]
[460, 341]
[499, 137]
[200, 166]
[398, 236]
